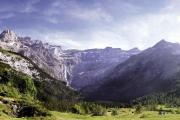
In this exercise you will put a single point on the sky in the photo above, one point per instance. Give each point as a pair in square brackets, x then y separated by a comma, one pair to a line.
[85, 24]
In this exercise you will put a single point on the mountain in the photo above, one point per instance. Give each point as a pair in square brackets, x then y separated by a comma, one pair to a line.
[94, 64]
[109, 74]
[50, 58]
[20, 77]
[154, 70]
[78, 68]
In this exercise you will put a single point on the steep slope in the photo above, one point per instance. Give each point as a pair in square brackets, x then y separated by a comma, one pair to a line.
[18, 93]
[50, 58]
[95, 63]
[53, 93]
[155, 69]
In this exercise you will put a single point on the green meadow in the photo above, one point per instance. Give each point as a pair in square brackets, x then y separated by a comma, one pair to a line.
[123, 114]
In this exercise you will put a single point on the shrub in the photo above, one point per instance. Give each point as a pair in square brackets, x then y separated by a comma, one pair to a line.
[151, 107]
[178, 111]
[114, 112]
[138, 109]
[162, 112]
[173, 111]
[98, 111]
[79, 109]
[31, 111]
[31, 108]
[9, 91]
[89, 108]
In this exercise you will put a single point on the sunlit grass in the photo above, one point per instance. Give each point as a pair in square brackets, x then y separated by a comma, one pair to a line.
[124, 114]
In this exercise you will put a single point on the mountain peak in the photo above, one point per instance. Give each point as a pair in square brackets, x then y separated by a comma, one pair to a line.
[8, 35]
[162, 42]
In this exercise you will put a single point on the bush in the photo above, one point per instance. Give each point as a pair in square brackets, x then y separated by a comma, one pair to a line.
[138, 109]
[162, 112]
[178, 111]
[25, 85]
[151, 107]
[30, 108]
[9, 91]
[78, 109]
[173, 111]
[89, 108]
[114, 112]
[31, 111]
[98, 111]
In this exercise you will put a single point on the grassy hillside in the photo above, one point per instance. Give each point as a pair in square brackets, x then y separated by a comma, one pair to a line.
[18, 93]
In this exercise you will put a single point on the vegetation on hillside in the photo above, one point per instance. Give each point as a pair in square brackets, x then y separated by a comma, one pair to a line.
[19, 92]
[169, 98]
[25, 96]
[53, 93]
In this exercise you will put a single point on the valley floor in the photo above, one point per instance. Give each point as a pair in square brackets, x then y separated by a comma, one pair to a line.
[125, 114]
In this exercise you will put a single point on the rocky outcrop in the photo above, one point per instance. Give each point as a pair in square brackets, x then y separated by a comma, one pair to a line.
[9, 41]
[18, 63]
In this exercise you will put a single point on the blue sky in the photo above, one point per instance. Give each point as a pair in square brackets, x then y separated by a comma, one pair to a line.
[84, 24]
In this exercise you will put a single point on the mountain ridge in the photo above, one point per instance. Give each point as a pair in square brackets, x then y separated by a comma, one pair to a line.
[61, 64]
[103, 74]
[155, 69]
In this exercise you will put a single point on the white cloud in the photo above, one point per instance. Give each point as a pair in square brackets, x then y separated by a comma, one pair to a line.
[142, 30]
[93, 14]
[6, 16]
[29, 7]
[73, 10]
[53, 20]
[145, 31]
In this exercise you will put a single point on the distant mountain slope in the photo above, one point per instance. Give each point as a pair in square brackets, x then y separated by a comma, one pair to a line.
[95, 63]
[155, 69]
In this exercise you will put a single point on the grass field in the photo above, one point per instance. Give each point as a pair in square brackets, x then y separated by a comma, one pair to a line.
[124, 114]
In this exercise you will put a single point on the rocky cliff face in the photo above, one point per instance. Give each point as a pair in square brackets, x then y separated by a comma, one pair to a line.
[50, 58]
[79, 68]
[24, 65]
[18, 63]
[95, 63]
